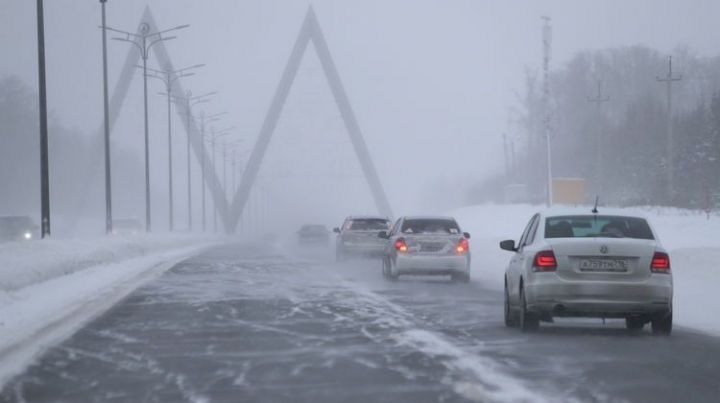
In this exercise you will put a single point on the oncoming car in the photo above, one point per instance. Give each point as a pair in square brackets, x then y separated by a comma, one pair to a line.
[358, 236]
[313, 234]
[17, 228]
[426, 246]
[572, 263]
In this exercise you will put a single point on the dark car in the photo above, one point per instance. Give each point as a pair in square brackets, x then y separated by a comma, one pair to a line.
[17, 228]
[313, 234]
[358, 236]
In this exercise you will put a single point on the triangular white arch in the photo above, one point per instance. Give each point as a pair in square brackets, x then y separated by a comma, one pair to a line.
[310, 31]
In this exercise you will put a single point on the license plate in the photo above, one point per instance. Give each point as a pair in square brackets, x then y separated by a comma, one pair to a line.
[604, 265]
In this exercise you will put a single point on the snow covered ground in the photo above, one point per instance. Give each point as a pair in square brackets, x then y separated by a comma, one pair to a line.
[692, 239]
[50, 288]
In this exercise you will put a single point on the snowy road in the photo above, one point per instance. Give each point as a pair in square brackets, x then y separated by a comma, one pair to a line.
[243, 324]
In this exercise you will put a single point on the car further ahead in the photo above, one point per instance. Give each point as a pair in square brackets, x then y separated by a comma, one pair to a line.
[426, 246]
[577, 263]
[358, 236]
[313, 234]
[17, 228]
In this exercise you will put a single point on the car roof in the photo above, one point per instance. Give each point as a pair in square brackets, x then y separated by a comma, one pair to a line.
[367, 217]
[587, 210]
[429, 217]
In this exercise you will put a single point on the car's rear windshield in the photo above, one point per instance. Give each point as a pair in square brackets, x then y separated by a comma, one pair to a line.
[598, 226]
[430, 226]
[313, 228]
[368, 224]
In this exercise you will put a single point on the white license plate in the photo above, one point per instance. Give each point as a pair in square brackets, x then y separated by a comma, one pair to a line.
[604, 265]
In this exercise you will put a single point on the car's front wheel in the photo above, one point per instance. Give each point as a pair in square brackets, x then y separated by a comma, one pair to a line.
[509, 317]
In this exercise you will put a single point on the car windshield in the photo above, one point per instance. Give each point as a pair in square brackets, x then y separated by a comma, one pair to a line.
[598, 226]
[15, 222]
[368, 224]
[430, 226]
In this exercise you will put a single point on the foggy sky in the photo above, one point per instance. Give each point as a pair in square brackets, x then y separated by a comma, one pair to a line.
[430, 81]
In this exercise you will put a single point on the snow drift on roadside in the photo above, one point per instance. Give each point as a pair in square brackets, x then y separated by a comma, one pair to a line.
[26, 263]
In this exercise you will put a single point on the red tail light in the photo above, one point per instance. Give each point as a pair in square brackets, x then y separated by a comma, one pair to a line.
[400, 245]
[462, 246]
[660, 263]
[545, 261]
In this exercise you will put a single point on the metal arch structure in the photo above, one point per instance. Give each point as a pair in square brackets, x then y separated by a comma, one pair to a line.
[117, 99]
[310, 31]
[231, 213]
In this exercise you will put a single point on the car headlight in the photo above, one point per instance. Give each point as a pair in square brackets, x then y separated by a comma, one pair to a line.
[28, 235]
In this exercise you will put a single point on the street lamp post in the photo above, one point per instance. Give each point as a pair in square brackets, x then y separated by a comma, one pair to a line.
[191, 101]
[213, 142]
[168, 77]
[44, 163]
[144, 41]
[204, 120]
[106, 127]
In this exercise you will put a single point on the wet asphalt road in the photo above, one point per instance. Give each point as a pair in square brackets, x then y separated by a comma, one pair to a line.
[241, 324]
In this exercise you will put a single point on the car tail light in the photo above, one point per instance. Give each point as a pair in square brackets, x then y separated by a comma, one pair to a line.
[400, 245]
[545, 261]
[660, 263]
[462, 246]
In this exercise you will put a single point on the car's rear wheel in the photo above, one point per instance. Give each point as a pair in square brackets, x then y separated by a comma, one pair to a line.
[634, 324]
[387, 271]
[662, 324]
[460, 277]
[510, 320]
[529, 321]
[339, 255]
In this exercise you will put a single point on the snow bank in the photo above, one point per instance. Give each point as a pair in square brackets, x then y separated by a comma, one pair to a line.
[49, 289]
[26, 263]
[692, 240]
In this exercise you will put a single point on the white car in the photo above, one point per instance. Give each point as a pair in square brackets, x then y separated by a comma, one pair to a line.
[580, 263]
[426, 246]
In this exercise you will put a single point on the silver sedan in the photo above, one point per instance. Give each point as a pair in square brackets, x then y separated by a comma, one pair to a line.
[426, 246]
[584, 264]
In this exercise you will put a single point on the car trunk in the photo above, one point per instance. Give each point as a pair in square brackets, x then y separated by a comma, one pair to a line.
[432, 244]
[366, 237]
[603, 259]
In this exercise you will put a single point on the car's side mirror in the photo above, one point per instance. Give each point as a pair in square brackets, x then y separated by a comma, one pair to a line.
[466, 235]
[383, 235]
[336, 230]
[508, 245]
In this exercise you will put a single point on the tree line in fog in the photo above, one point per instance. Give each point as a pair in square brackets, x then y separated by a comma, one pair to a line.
[619, 143]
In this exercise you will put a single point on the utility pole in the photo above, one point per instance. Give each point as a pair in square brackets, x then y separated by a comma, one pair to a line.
[44, 163]
[670, 141]
[547, 47]
[106, 127]
[598, 100]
